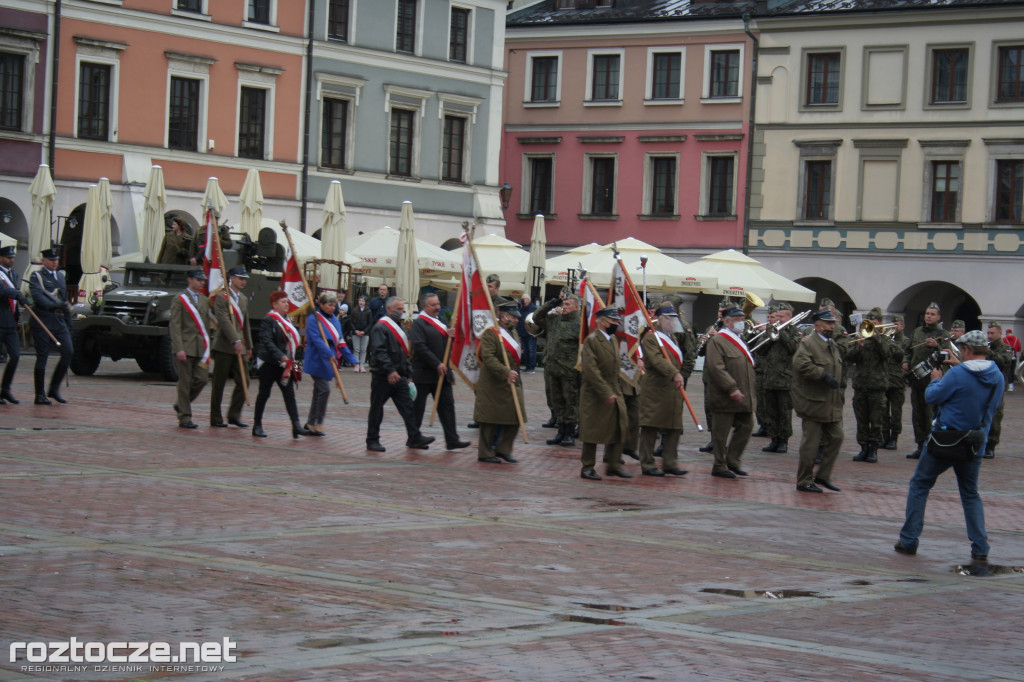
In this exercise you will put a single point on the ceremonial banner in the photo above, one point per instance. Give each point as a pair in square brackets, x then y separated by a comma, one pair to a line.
[292, 284]
[472, 316]
[211, 257]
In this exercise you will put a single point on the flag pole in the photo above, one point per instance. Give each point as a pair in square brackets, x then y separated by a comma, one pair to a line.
[242, 367]
[650, 325]
[444, 360]
[320, 324]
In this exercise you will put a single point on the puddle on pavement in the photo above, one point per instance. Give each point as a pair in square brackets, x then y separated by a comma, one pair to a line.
[606, 607]
[588, 619]
[982, 569]
[765, 594]
[328, 643]
[860, 582]
[37, 428]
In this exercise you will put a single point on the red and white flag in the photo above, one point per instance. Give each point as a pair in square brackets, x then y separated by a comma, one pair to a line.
[623, 294]
[591, 304]
[473, 316]
[211, 256]
[291, 284]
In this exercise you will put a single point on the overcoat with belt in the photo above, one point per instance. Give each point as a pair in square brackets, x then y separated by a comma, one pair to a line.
[493, 393]
[812, 398]
[599, 362]
[728, 368]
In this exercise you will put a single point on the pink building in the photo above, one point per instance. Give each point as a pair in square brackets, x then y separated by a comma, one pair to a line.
[619, 127]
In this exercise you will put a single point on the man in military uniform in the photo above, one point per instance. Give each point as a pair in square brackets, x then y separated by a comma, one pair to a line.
[49, 292]
[778, 380]
[231, 340]
[956, 330]
[495, 408]
[926, 339]
[176, 245]
[197, 249]
[190, 343]
[10, 300]
[602, 408]
[661, 403]
[818, 399]
[730, 375]
[1002, 355]
[711, 331]
[896, 390]
[763, 420]
[870, 357]
[562, 330]
[687, 341]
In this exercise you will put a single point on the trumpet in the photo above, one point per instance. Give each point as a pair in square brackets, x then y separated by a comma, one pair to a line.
[773, 330]
[868, 329]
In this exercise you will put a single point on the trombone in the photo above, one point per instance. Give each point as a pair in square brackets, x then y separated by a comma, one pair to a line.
[868, 329]
[773, 330]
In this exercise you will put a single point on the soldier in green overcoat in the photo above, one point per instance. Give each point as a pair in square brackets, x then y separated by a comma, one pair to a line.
[602, 407]
[661, 403]
[494, 404]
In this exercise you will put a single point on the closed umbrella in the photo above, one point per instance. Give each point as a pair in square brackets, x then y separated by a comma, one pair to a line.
[538, 254]
[92, 250]
[332, 236]
[43, 193]
[153, 221]
[407, 273]
[213, 199]
[252, 204]
[738, 274]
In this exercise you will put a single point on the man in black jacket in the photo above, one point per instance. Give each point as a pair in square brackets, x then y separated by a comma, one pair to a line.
[428, 336]
[50, 299]
[389, 356]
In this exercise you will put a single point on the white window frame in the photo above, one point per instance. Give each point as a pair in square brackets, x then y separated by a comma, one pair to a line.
[528, 89]
[272, 26]
[329, 86]
[706, 97]
[28, 47]
[260, 78]
[107, 54]
[203, 14]
[409, 99]
[999, 150]
[588, 185]
[649, 91]
[526, 182]
[648, 203]
[464, 107]
[591, 55]
[705, 182]
[195, 68]
[470, 32]
[417, 31]
[351, 38]
[951, 151]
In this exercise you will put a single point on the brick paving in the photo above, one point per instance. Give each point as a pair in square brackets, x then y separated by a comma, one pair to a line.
[326, 562]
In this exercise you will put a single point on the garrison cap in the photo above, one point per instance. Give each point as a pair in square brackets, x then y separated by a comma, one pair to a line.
[782, 305]
[995, 324]
[898, 317]
[958, 324]
[935, 305]
[875, 313]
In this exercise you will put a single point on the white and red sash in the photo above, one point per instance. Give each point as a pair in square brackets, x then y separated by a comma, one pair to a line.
[197, 318]
[436, 324]
[399, 333]
[290, 332]
[239, 317]
[512, 346]
[8, 283]
[666, 342]
[331, 331]
[738, 342]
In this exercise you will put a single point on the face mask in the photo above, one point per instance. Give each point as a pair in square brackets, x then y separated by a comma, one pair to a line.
[828, 333]
[397, 317]
[738, 326]
[612, 328]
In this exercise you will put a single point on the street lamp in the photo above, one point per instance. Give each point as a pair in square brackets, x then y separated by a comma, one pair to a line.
[506, 194]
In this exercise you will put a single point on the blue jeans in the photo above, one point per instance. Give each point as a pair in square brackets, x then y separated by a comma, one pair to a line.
[529, 344]
[928, 470]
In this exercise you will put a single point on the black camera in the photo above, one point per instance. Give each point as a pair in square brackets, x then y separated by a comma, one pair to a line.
[924, 368]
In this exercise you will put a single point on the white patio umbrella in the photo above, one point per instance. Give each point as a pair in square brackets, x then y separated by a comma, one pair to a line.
[502, 257]
[558, 266]
[251, 199]
[332, 236]
[407, 273]
[738, 274]
[153, 229]
[95, 253]
[377, 254]
[213, 199]
[535, 272]
[43, 192]
[663, 273]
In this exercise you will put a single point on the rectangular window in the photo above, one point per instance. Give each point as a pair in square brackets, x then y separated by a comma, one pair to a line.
[401, 142]
[405, 33]
[605, 85]
[1009, 190]
[334, 133]
[252, 123]
[720, 175]
[949, 75]
[725, 73]
[541, 175]
[12, 88]
[337, 19]
[602, 185]
[823, 78]
[183, 115]
[454, 146]
[945, 190]
[190, 5]
[544, 87]
[663, 185]
[1011, 74]
[93, 101]
[818, 194]
[259, 11]
[459, 41]
[665, 79]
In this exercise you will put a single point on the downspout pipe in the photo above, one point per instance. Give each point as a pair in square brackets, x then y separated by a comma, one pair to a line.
[306, 115]
[750, 134]
[54, 80]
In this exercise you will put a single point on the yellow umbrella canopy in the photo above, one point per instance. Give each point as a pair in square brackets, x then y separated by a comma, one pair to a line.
[535, 272]
[153, 220]
[377, 254]
[502, 257]
[332, 236]
[662, 272]
[557, 268]
[738, 274]
[251, 200]
[407, 273]
[43, 192]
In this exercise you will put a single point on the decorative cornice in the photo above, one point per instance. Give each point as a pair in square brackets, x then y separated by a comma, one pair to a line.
[718, 138]
[661, 138]
[600, 139]
[195, 59]
[95, 42]
[1002, 140]
[539, 140]
[880, 144]
[944, 143]
[259, 68]
[818, 143]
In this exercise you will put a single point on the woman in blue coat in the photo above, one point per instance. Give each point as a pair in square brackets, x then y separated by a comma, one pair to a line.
[325, 346]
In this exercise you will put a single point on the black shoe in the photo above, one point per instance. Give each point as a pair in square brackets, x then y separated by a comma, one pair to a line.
[783, 447]
[631, 453]
[557, 438]
[979, 557]
[738, 471]
[710, 447]
[903, 549]
[675, 472]
[319, 434]
[238, 422]
[654, 472]
[421, 443]
[189, 425]
[489, 460]
[771, 447]
[42, 400]
[508, 458]
[473, 425]
[989, 453]
[257, 432]
[301, 431]
[567, 439]
[575, 431]
[809, 488]
[222, 425]
[760, 433]
[872, 453]
[55, 394]
[457, 444]
[2, 401]
[550, 424]
[177, 410]
[658, 451]
[590, 475]
[890, 444]
[375, 446]
[826, 484]
[916, 454]
[861, 456]
[6, 395]
[723, 474]
[617, 472]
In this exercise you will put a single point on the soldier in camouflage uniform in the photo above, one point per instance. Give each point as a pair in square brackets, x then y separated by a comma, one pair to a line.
[926, 339]
[761, 413]
[871, 379]
[1002, 355]
[562, 330]
[956, 330]
[778, 363]
[896, 393]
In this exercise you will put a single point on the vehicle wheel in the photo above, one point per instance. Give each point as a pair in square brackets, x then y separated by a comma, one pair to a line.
[84, 358]
[149, 363]
[168, 366]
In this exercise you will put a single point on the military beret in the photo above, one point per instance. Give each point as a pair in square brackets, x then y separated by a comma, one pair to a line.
[823, 316]
[958, 324]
